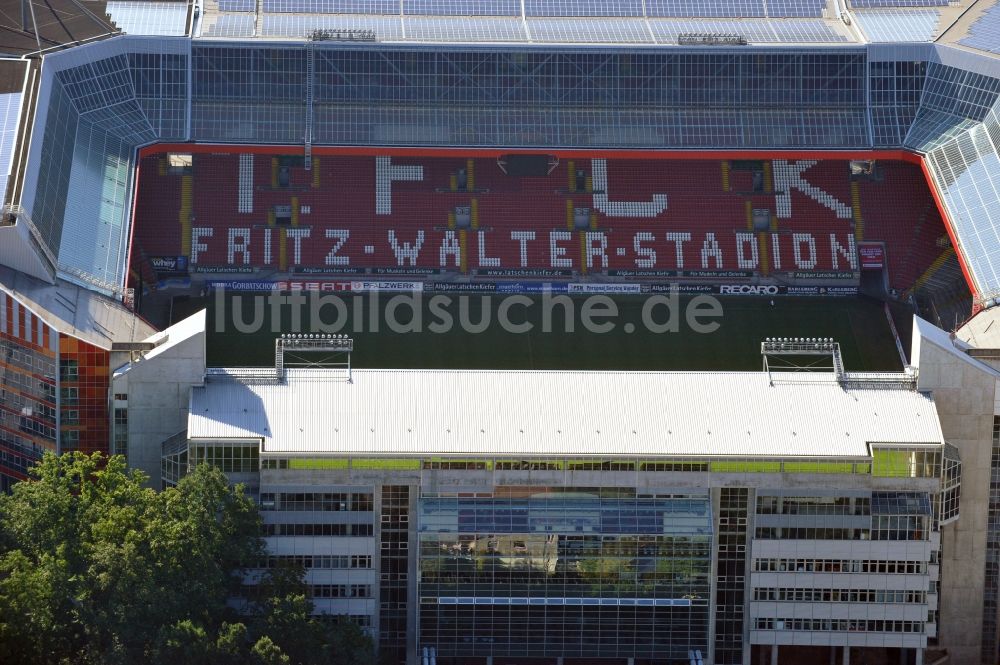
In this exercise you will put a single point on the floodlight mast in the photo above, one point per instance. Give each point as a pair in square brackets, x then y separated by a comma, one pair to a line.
[294, 344]
[783, 348]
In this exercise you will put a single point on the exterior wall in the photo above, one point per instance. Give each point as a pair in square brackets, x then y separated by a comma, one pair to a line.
[157, 389]
[407, 544]
[341, 570]
[833, 576]
[84, 380]
[29, 401]
[964, 394]
[55, 392]
[842, 568]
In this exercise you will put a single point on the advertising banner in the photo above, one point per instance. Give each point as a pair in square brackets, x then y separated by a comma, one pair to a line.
[604, 288]
[531, 287]
[169, 263]
[224, 269]
[387, 286]
[871, 255]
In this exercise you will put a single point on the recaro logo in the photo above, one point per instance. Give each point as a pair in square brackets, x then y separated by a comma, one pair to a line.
[748, 289]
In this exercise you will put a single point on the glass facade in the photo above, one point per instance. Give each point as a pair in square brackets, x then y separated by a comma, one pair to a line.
[174, 460]
[991, 586]
[896, 87]
[29, 403]
[394, 566]
[948, 504]
[966, 171]
[97, 104]
[53, 165]
[230, 458]
[904, 462]
[575, 572]
[731, 575]
[878, 516]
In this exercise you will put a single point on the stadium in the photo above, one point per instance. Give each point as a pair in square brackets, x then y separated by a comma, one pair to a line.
[826, 171]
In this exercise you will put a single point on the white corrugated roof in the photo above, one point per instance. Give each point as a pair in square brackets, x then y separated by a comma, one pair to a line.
[419, 412]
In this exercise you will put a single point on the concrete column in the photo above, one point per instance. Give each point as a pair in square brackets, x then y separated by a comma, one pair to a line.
[902, 656]
[833, 655]
[774, 654]
[919, 656]
[559, 660]
[489, 660]
[846, 659]
[631, 661]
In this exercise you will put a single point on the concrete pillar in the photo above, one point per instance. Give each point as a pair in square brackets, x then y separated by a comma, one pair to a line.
[833, 655]
[631, 661]
[559, 660]
[846, 658]
[918, 656]
[489, 660]
[902, 656]
[774, 654]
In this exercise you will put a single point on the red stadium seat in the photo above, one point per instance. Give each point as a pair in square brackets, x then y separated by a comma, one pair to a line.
[458, 215]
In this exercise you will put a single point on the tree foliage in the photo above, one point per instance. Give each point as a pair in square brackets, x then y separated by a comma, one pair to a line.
[96, 568]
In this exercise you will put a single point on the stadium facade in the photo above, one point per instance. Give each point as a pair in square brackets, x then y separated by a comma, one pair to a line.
[628, 517]
[615, 526]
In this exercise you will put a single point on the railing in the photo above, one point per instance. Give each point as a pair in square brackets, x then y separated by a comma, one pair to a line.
[710, 39]
[899, 380]
[246, 374]
[342, 34]
[87, 278]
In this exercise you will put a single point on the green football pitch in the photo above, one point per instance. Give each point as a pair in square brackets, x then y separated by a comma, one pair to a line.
[858, 323]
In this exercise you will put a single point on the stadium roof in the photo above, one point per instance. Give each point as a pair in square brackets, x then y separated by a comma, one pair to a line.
[421, 412]
[76, 311]
[31, 27]
[619, 22]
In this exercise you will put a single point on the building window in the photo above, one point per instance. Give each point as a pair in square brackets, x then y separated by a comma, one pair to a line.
[328, 530]
[840, 625]
[357, 561]
[229, 458]
[881, 567]
[70, 395]
[69, 370]
[991, 591]
[317, 501]
[120, 440]
[70, 439]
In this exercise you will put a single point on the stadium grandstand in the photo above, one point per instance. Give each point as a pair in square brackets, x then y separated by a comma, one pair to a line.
[456, 218]
[153, 152]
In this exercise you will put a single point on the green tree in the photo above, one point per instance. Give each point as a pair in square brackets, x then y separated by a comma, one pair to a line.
[97, 568]
[281, 610]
